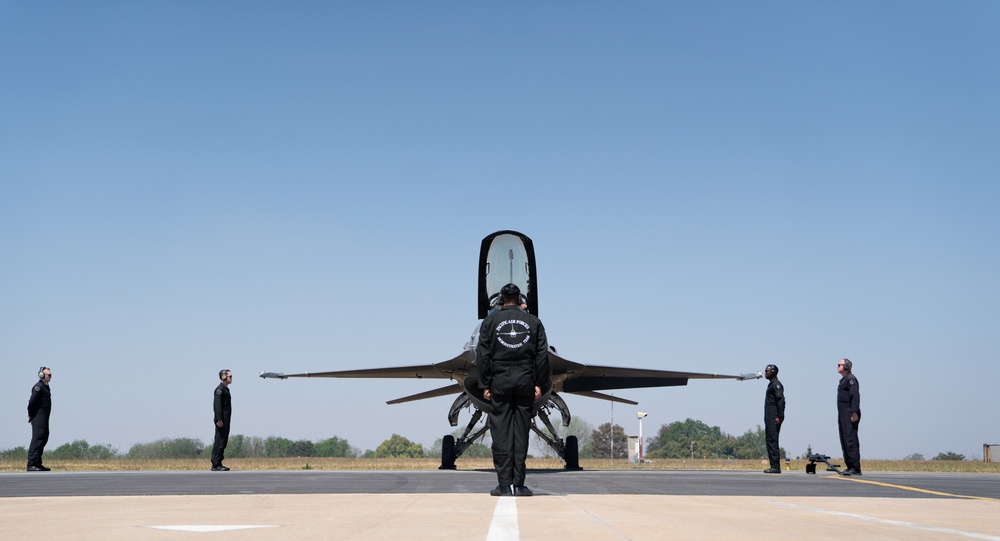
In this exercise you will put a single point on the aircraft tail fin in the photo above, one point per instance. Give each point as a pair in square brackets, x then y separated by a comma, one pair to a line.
[454, 388]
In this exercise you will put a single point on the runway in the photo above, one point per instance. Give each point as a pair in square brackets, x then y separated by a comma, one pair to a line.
[309, 504]
[543, 482]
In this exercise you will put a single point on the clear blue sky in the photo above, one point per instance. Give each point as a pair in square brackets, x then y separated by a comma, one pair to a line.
[711, 186]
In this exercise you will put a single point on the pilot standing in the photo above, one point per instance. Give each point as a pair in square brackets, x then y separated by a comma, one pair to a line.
[849, 416]
[774, 415]
[223, 406]
[39, 409]
[513, 361]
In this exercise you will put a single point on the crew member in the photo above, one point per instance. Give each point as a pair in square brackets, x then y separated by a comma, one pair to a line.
[849, 416]
[223, 406]
[513, 362]
[39, 409]
[774, 415]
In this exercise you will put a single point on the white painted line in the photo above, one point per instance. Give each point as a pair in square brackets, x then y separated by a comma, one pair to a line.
[206, 528]
[504, 525]
[902, 524]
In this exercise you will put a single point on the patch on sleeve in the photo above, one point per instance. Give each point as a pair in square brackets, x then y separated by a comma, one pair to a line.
[218, 392]
[38, 388]
[850, 382]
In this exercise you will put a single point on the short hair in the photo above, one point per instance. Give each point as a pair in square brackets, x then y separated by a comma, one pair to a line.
[847, 364]
[510, 292]
[223, 372]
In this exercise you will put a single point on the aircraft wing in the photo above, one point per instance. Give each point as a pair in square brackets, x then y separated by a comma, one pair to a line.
[456, 368]
[568, 376]
[583, 378]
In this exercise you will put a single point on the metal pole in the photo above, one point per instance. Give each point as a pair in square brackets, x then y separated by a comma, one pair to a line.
[613, 430]
[640, 439]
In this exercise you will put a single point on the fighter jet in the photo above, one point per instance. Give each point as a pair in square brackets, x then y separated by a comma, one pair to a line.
[509, 257]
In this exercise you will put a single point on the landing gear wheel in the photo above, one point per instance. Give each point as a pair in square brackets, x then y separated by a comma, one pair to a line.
[448, 453]
[572, 454]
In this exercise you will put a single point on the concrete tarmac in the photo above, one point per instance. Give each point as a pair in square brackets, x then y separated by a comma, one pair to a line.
[598, 505]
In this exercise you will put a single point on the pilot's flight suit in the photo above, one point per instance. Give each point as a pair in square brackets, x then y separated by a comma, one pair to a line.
[39, 409]
[223, 406]
[848, 402]
[774, 408]
[512, 358]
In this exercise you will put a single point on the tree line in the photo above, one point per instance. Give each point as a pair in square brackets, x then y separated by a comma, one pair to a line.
[240, 446]
[681, 439]
[671, 442]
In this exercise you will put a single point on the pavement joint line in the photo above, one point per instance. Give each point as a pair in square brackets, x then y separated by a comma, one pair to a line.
[915, 489]
[208, 528]
[590, 513]
[904, 524]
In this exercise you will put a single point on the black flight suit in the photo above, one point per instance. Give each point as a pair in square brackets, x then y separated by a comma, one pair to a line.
[774, 408]
[39, 409]
[223, 406]
[848, 402]
[512, 357]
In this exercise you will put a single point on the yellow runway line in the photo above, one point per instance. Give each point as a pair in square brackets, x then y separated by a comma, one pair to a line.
[915, 489]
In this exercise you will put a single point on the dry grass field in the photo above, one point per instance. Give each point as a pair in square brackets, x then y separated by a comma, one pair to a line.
[483, 464]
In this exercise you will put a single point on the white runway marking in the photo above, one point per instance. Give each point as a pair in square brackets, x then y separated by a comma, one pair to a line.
[900, 523]
[205, 528]
[504, 525]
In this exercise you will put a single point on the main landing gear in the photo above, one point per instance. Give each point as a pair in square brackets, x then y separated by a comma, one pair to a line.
[568, 449]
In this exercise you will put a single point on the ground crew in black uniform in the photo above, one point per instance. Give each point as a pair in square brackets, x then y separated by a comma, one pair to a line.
[849, 416]
[774, 415]
[513, 361]
[223, 406]
[39, 409]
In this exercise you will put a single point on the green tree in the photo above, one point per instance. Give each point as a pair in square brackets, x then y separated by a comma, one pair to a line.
[81, 450]
[17, 453]
[167, 448]
[600, 442]
[680, 439]
[399, 447]
[184, 448]
[241, 446]
[335, 447]
[949, 456]
[577, 427]
[675, 440]
[302, 448]
[752, 444]
[477, 449]
[915, 456]
[275, 447]
[75, 450]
